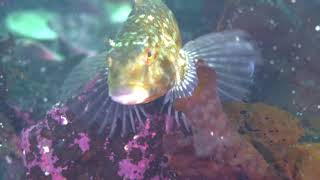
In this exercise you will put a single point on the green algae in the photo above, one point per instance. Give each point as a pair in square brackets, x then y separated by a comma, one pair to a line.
[32, 24]
[118, 12]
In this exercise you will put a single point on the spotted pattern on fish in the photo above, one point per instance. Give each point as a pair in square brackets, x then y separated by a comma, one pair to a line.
[152, 26]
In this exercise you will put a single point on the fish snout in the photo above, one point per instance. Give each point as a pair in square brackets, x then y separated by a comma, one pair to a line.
[129, 95]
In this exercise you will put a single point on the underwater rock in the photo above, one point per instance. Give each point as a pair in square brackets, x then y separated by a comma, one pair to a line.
[11, 164]
[289, 78]
[216, 150]
[309, 161]
[264, 125]
[59, 147]
[33, 51]
[3, 84]
[285, 8]
[302, 161]
[6, 45]
[82, 33]
[33, 75]
[307, 98]
[272, 131]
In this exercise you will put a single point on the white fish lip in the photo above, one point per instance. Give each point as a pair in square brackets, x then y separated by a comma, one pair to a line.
[130, 96]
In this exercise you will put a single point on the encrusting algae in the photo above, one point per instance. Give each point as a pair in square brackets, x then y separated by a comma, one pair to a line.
[270, 130]
[264, 125]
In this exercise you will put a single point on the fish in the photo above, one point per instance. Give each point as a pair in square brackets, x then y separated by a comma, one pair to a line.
[148, 62]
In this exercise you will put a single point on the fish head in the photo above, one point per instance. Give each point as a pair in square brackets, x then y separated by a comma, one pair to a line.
[139, 74]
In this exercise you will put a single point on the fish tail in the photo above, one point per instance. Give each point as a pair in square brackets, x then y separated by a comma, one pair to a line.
[232, 56]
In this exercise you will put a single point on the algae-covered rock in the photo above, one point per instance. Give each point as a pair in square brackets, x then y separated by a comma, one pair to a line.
[265, 125]
[302, 161]
[309, 162]
[271, 130]
[32, 24]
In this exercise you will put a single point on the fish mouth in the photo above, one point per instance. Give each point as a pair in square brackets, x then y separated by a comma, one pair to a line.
[129, 95]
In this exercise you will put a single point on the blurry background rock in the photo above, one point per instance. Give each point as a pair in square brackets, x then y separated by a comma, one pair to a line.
[288, 33]
[302, 161]
[270, 130]
[11, 165]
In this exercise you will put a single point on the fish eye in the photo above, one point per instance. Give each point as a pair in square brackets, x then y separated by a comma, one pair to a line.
[150, 56]
[149, 53]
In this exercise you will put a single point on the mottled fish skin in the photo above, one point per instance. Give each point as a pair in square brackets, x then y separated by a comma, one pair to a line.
[146, 52]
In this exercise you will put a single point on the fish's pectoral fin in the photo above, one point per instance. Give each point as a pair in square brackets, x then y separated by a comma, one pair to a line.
[173, 118]
[96, 107]
[186, 84]
[85, 93]
[93, 68]
[232, 56]
[183, 87]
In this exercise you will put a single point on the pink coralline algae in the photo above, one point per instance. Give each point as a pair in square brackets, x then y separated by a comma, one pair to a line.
[133, 171]
[46, 159]
[53, 149]
[83, 142]
[59, 114]
[127, 168]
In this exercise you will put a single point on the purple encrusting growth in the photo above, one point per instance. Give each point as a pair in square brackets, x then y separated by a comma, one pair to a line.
[111, 156]
[46, 159]
[127, 168]
[59, 114]
[58, 150]
[25, 144]
[83, 142]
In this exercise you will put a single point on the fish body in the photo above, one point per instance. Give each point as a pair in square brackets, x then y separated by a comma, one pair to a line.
[145, 58]
[148, 62]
